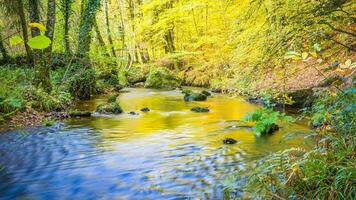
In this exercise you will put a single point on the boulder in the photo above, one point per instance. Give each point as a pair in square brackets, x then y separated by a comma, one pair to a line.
[162, 78]
[206, 93]
[195, 97]
[111, 107]
[200, 109]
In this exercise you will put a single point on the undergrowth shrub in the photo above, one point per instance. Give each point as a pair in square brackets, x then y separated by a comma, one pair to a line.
[82, 84]
[161, 78]
[41, 100]
[325, 172]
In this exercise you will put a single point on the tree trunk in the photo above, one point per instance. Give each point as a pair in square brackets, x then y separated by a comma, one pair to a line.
[106, 10]
[21, 13]
[122, 30]
[132, 52]
[5, 55]
[86, 25]
[34, 15]
[169, 46]
[51, 21]
[66, 12]
[100, 38]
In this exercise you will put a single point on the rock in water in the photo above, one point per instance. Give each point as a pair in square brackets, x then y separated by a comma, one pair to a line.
[206, 93]
[133, 113]
[200, 109]
[79, 114]
[229, 141]
[273, 128]
[109, 108]
[145, 109]
[195, 97]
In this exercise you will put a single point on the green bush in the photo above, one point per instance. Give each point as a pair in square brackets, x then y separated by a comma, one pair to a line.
[82, 84]
[161, 78]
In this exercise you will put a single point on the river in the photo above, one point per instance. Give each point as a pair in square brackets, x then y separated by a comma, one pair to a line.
[167, 153]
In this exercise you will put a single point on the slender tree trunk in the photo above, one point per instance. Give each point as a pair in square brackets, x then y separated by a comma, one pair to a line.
[3, 50]
[106, 10]
[51, 21]
[34, 15]
[132, 57]
[86, 25]
[43, 72]
[100, 38]
[122, 29]
[21, 13]
[66, 12]
[169, 47]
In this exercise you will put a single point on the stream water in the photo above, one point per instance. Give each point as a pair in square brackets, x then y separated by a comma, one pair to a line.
[167, 153]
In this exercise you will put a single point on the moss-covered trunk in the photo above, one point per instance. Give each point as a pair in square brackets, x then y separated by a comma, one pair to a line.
[87, 21]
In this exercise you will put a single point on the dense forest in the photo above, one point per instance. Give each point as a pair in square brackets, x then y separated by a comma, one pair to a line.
[285, 55]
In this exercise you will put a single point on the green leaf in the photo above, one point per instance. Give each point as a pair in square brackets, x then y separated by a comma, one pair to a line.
[14, 40]
[39, 42]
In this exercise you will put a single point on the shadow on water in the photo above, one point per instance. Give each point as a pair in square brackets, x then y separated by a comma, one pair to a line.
[167, 153]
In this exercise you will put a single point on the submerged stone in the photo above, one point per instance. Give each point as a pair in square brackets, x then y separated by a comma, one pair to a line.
[79, 114]
[133, 113]
[229, 141]
[145, 109]
[200, 109]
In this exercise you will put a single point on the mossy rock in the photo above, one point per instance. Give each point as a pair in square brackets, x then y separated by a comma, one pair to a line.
[206, 93]
[186, 91]
[109, 108]
[136, 75]
[112, 98]
[161, 78]
[195, 97]
[79, 113]
[200, 109]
